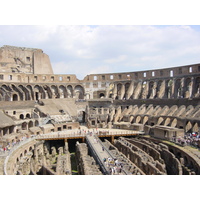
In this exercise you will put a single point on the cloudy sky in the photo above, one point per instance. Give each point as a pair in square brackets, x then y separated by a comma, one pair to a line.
[84, 49]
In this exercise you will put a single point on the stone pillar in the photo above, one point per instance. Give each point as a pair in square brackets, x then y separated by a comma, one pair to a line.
[172, 89]
[122, 92]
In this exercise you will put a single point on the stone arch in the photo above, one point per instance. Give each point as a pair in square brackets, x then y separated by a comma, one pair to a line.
[145, 120]
[6, 88]
[195, 127]
[30, 124]
[101, 95]
[174, 123]
[160, 121]
[30, 89]
[197, 87]
[30, 148]
[188, 127]
[168, 89]
[55, 92]
[48, 91]
[138, 119]
[144, 90]
[178, 89]
[36, 123]
[24, 126]
[6, 92]
[160, 89]
[81, 116]
[15, 97]
[70, 91]
[119, 87]
[167, 121]
[26, 92]
[188, 88]
[19, 91]
[79, 92]
[152, 89]
[21, 116]
[28, 116]
[39, 92]
[63, 91]
[127, 85]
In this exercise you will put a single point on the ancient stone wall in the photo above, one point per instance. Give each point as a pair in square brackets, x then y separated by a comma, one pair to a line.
[24, 60]
[86, 164]
[140, 158]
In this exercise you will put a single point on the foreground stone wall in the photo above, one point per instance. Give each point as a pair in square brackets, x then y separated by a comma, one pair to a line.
[86, 164]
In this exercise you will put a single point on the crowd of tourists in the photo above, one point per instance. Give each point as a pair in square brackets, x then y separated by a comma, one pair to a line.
[192, 139]
[115, 167]
[7, 148]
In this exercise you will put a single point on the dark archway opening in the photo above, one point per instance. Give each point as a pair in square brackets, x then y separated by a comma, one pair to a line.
[101, 95]
[15, 97]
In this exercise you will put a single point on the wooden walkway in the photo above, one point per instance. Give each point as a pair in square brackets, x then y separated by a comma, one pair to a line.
[82, 133]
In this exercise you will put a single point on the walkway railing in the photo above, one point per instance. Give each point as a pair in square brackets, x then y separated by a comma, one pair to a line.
[13, 149]
[79, 133]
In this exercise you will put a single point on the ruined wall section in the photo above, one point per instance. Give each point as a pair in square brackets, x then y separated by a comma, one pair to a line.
[86, 164]
[128, 166]
[140, 158]
[24, 60]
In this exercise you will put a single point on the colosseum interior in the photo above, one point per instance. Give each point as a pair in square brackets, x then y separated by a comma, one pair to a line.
[144, 122]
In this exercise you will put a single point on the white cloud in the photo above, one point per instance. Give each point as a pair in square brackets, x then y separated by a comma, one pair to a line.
[116, 60]
[82, 50]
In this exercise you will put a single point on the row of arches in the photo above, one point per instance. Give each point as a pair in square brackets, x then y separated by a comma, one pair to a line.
[168, 88]
[30, 124]
[183, 117]
[35, 92]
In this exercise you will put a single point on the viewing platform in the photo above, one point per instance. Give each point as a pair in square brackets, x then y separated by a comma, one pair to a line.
[84, 131]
